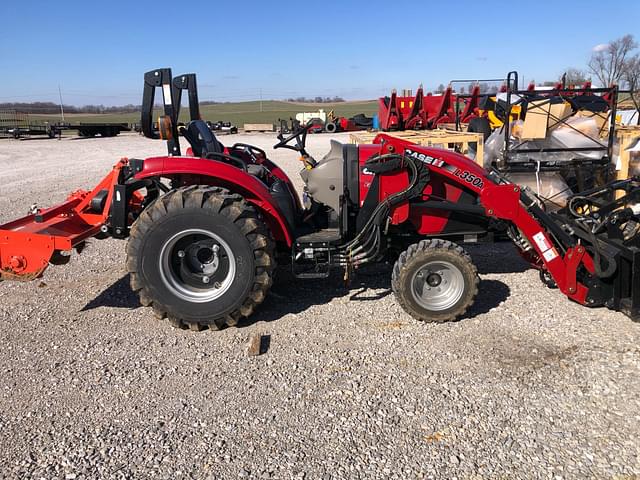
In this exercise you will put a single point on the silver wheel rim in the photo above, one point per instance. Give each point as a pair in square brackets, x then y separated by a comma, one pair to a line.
[197, 265]
[437, 285]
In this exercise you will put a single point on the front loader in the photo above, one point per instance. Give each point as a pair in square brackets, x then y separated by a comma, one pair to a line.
[206, 228]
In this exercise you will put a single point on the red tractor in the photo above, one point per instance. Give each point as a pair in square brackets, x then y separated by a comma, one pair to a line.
[206, 229]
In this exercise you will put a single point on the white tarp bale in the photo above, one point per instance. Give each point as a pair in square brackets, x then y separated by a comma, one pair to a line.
[549, 185]
[628, 117]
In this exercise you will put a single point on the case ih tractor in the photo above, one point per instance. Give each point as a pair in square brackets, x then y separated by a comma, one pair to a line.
[206, 229]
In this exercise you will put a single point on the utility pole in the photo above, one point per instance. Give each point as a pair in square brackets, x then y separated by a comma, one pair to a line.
[61, 107]
[261, 99]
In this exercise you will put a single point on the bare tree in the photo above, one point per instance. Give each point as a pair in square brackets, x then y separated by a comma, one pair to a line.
[440, 88]
[631, 75]
[574, 76]
[610, 62]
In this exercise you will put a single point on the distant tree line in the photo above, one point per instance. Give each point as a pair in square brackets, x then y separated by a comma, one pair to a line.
[316, 100]
[45, 108]
[51, 108]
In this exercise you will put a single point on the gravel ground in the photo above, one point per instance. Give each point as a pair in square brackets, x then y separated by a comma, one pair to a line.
[528, 385]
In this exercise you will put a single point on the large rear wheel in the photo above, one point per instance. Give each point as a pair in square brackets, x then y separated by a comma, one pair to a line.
[200, 256]
[435, 281]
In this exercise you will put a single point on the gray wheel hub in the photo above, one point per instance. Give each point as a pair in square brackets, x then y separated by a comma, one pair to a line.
[197, 265]
[437, 285]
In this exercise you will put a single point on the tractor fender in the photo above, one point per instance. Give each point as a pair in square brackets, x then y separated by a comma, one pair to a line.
[227, 176]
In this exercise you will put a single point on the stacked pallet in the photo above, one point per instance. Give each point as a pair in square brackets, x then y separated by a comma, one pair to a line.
[446, 139]
[628, 141]
[259, 127]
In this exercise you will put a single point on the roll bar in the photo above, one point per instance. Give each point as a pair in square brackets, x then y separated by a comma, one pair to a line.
[167, 126]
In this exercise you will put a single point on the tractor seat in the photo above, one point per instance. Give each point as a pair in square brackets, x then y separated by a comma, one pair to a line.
[201, 138]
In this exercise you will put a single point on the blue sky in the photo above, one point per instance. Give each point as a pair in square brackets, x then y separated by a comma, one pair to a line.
[98, 51]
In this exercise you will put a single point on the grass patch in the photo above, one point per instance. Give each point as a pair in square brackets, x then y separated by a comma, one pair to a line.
[237, 113]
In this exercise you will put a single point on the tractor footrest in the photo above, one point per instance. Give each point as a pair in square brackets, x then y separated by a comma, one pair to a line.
[327, 235]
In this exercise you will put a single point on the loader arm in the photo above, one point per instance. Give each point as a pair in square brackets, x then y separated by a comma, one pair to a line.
[552, 243]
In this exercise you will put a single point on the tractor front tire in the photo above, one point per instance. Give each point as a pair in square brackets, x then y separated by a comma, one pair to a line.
[435, 281]
[200, 256]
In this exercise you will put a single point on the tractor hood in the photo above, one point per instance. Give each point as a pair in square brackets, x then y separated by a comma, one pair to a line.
[325, 181]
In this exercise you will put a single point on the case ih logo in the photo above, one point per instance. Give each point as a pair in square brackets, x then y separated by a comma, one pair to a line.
[436, 162]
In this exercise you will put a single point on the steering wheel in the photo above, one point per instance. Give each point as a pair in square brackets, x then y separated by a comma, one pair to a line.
[301, 140]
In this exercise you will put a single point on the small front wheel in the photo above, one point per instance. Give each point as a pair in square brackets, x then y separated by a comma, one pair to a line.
[435, 281]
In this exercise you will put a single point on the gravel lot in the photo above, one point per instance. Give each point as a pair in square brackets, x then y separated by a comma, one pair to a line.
[529, 385]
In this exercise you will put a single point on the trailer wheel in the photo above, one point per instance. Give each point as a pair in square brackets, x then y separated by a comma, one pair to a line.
[330, 127]
[435, 281]
[200, 256]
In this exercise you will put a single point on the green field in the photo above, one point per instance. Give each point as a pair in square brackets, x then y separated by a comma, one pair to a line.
[236, 113]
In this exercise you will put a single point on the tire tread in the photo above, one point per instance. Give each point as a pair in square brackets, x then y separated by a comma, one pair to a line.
[404, 261]
[216, 200]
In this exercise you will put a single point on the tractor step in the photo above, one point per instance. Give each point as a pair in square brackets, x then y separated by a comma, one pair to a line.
[327, 236]
[311, 253]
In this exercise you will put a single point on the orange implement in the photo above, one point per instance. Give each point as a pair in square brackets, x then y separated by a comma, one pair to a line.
[29, 243]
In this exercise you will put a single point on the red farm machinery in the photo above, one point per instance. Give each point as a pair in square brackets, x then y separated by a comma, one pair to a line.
[427, 112]
[206, 228]
[416, 113]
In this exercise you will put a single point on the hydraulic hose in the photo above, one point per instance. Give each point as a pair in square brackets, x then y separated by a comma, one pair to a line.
[387, 202]
[597, 263]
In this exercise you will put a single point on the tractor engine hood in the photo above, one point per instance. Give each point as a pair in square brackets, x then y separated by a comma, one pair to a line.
[325, 182]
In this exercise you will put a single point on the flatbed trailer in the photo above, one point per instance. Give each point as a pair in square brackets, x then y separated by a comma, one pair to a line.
[15, 124]
[93, 129]
[28, 131]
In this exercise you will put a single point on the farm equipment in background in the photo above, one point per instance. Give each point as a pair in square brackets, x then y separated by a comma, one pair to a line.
[416, 113]
[493, 106]
[314, 120]
[18, 125]
[332, 124]
[557, 139]
[358, 122]
[284, 126]
[205, 229]
[88, 130]
[222, 127]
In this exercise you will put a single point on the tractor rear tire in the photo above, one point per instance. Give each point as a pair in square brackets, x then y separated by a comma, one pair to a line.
[200, 256]
[435, 281]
